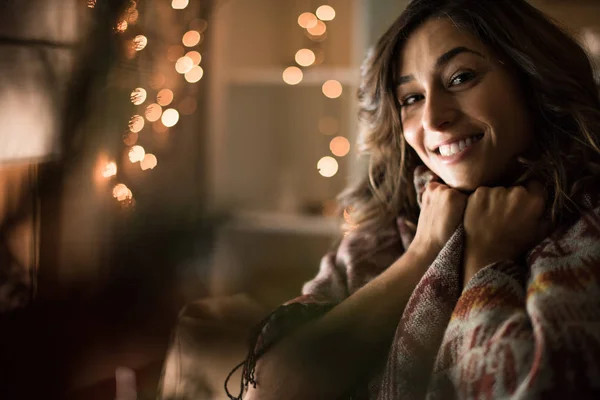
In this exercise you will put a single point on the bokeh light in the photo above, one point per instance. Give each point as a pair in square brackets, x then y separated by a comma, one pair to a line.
[138, 96]
[158, 127]
[121, 26]
[122, 192]
[153, 112]
[136, 123]
[132, 16]
[307, 20]
[179, 4]
[325, 13]
[327, 166]
[305, 57]
[164, 97]
[157, 81]
[174, 52]
[109, 170]
[328, 125]
[191, 38]
[188, 105]
[199, 25]
[292, 75]
[140, 42]
[339, 146]
[332, 89]
[319, 29]
[184, 64]
[130, 138]
[149, 162]
[194, 74]
[195, 56]
[170, 117]
[136, 153]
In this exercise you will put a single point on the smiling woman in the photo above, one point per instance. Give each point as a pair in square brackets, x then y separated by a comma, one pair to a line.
[461, 109]
[471, 269]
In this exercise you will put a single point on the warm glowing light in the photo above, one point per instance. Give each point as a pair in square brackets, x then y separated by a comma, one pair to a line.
[179, 4]
[305, 57]
[121, 26]
[136, 153]
[328, 125]
[199, 25]
[319, 29]
[133, 15]
[184, 64]
[191, 38]
[327, 166]
[140, 42]
[164, 97]
[307, 20]
[325, 13]
[131, 6]
[195, 56]
[157, 81]
[158, 127]
[130, 138]
[122, 192]
[174, 52]
[138, 96]
[194, 74]
[332, 89]
[109, 170]
[149, 162]
[153, 112]
[136, 123]
[187, 106]
[170, 117]
[292, 75]
[339, 146]
[91, 3]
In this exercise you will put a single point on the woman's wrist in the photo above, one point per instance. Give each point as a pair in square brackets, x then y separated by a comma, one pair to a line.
[422, 254]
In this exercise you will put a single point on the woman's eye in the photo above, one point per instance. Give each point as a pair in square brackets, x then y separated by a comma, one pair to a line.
[410, 100]
[461, 78]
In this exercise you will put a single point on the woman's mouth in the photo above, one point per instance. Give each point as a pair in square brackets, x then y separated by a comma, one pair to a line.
[453, 152]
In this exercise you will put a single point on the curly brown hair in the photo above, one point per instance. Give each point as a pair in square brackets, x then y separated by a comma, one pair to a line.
[555, 75]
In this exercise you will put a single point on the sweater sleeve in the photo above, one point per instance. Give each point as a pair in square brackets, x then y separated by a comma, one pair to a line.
[359, 258]
[517, 336]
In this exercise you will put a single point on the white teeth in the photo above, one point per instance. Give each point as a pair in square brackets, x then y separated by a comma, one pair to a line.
[456, 147]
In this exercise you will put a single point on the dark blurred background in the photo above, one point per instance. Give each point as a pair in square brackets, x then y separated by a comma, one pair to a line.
[160, 155]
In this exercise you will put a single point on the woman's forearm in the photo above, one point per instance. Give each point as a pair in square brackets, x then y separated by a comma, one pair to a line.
[329, 355]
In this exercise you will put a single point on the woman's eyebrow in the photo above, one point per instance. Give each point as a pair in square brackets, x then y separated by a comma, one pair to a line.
[441, 61]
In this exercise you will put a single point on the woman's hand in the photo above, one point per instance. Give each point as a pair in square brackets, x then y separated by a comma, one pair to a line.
[501, 224]
[442, 210]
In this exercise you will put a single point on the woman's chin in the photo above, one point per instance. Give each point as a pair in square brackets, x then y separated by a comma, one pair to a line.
[463, 185]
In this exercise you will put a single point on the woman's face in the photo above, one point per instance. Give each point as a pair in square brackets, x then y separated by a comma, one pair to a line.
[461, 109]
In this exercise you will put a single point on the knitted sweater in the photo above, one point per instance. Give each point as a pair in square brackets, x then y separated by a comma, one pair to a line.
[526, 328]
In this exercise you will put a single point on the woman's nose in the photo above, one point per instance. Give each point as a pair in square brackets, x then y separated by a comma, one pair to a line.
[440, 112]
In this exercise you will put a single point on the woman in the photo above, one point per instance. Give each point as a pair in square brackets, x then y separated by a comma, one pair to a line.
[481, 280]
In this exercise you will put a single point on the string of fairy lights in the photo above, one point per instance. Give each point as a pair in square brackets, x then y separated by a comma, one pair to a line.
[315, 28]
[161, 112]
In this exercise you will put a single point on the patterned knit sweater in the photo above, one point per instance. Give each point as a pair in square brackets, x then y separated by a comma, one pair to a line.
[526, 328]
